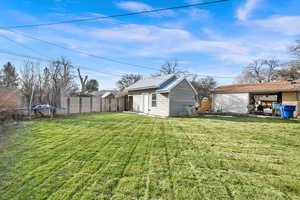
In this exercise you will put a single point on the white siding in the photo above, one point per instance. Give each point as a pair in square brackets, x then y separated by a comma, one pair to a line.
[233, 102]
[180, 97]
[138, 103]
[162, 105]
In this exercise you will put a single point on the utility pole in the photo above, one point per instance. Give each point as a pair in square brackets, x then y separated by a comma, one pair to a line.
[30, 102]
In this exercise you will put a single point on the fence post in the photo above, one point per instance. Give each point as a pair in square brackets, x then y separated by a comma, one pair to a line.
[68, 105]
[80, 105]
[91, 103]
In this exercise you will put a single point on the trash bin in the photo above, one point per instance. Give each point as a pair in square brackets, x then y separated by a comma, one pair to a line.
[287, 111]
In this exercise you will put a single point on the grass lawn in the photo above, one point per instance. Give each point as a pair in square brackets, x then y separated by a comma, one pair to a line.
[127, 156]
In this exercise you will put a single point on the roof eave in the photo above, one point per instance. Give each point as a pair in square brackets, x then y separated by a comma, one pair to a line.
[254, 91]
[144, 88]
[163, 91]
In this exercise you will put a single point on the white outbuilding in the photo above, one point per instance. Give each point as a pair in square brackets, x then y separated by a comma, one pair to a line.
[165, 96]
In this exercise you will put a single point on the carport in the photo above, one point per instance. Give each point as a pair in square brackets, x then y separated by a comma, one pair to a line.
[256, 98]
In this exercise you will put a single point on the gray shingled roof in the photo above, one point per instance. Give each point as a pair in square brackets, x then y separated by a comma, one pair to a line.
[152, 82]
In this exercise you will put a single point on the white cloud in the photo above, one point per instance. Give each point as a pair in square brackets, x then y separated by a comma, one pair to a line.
[193, 1]
[196, 13]
[140, 33]
[244, 12]
[155, 42]
[15, 37]
[134, 6]
[287, 25]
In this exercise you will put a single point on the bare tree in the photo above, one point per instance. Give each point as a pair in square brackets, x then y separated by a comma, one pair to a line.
[245, 77]
[39, 88]
[295, 50]
[61, 78]
[259, 71]
[204, 86]
[256, 69]
[292, 69]
[65, 73]
[170, 67]
[46, 86]
[270, 72]
[83, 80]
[28, 81]
[290, 72]
[127, 80]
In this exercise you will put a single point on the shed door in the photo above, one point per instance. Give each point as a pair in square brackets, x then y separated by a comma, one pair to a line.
[146, 103]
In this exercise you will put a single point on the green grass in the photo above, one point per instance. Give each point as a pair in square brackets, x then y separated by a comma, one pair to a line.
[126, 156]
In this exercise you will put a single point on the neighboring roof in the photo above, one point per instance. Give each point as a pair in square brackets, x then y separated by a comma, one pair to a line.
[174, 83]
[106, 94]
[117, 94]
[100, 92]
[151, 83]
[281, 86]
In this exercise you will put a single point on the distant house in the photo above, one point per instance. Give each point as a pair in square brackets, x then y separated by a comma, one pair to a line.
[164, 96]
[239, 98]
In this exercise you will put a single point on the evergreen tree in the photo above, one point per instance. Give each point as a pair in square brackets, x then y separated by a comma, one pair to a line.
[8, 76]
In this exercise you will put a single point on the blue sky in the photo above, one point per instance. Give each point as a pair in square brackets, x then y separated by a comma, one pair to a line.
[218, 40]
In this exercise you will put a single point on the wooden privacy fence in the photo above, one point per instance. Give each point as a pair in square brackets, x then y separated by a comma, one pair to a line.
[74, 105]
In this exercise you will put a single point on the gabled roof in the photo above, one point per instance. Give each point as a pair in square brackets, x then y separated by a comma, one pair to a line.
[161, 84]
[152, 82]
[280, 86]
[174, 83]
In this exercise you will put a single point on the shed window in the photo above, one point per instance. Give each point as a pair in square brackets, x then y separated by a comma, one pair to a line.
[153, 100]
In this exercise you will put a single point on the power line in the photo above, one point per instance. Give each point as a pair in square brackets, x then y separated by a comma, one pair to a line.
[46, 60]
[23, 55]
[87, 19]
[93, 70]
[41, 59]
[81, 52]
[97, 71]
[24, 46]
[97, 18]
[115, 16]
[50, 59]
[101, 57]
